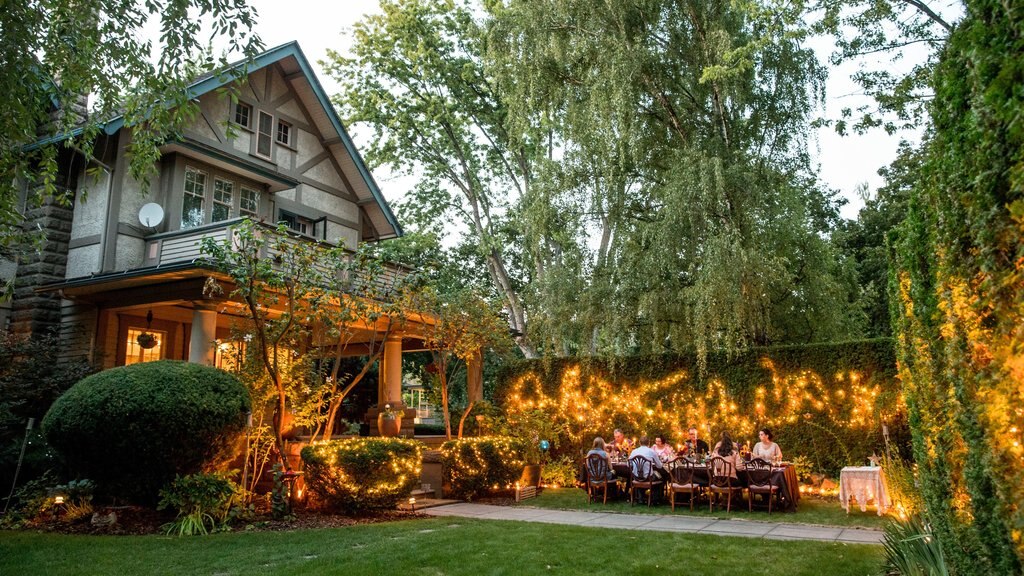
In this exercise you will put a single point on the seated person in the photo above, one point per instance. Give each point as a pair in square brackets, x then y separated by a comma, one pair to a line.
[644, 451]
[766, 449]
[663, 449]
[620, 443]
[728, 450]
[599, 450]
[694, 446]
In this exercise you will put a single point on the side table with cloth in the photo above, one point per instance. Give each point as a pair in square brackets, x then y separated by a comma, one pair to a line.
[864, 483]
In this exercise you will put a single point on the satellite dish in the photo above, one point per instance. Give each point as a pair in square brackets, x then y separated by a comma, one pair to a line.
[151, 215]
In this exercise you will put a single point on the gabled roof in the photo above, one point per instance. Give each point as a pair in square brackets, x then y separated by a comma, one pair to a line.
[300, 74]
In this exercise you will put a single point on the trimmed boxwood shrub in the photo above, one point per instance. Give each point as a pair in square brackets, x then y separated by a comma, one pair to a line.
[133, 428]
[475, 466]
[362, 474]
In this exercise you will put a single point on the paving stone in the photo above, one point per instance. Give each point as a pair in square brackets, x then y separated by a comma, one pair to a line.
[679, 524]
[739, 528]
[804, 532]
[853, 535]
[622, 520]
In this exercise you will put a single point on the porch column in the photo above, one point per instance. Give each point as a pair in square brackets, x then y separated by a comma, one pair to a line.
[390, 391]
[204, 331]
[475, 376]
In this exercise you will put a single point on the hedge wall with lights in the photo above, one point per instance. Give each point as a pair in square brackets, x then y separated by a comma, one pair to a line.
[958, 289]
[826, 402]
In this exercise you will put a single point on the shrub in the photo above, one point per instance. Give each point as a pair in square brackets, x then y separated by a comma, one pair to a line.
[30, 380]
[201, 500]
[474, 466]
[362, 474]
[562, 471]
[134, 428]
[912, 550]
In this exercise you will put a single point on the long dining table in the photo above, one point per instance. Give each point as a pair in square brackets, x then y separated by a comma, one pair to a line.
[783, 476]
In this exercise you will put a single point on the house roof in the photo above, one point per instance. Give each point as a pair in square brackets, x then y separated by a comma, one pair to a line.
[300, 75]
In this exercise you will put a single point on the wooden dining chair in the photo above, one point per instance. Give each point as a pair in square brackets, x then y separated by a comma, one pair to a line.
[599, 476]
[683, 481]
[759, 481]
[643, 477]
[720, 472]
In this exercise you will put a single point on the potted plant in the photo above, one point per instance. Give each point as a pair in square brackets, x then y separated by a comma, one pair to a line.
[146, 340]
[389, 421]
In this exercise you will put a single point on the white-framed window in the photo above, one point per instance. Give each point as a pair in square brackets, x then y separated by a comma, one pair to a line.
[195, 193]
[243, 114]
[223, 196]
[249, 202]
[264, 135]
[284, 133]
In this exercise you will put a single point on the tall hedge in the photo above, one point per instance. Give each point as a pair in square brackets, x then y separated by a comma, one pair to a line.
[958, 284]
[827, 402]
[133, 428]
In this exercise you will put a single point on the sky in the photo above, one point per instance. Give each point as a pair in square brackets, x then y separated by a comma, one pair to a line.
[845, 161]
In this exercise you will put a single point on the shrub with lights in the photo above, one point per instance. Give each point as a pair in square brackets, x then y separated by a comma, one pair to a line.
[475, 466]
[362, 474]
[828, 402]
[133, 428]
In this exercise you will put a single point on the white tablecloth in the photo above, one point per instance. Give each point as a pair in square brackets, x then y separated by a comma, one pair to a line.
[863, 483]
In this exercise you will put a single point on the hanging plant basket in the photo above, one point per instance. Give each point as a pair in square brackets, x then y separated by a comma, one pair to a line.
[147, 341]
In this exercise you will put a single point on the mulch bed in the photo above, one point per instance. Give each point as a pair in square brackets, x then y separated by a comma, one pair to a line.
[134, 520]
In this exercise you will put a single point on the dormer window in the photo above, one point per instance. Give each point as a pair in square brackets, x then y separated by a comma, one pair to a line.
[243, 115]
[284, 133]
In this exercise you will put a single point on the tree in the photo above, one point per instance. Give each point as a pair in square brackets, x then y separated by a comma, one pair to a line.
[54, 52]
[682, 128]
[461, 326]
[896, 44]
[416, 79]
[958, 296]
[303, 307]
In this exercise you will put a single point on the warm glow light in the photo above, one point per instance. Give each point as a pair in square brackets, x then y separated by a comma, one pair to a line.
[58, 499]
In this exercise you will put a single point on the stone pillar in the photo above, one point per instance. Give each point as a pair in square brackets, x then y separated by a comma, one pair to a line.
[390, 390]
[201, 347]
[33, 313]
[475, 377]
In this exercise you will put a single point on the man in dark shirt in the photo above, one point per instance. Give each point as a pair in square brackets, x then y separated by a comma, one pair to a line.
[694, 445]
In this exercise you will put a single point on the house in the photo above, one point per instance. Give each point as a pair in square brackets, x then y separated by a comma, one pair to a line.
[125, 259]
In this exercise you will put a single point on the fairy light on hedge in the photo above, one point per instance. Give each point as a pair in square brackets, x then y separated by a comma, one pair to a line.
[850, 401]
[363, 472]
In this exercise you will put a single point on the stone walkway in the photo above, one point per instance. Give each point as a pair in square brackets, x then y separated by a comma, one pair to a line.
[692, 524]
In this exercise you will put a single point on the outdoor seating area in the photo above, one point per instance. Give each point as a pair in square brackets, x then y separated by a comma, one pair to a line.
[711, 482]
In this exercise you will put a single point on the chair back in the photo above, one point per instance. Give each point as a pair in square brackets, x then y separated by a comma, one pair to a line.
[720, 472]
[641, 469]
[759, 473]
[597, 469]
[682, 470]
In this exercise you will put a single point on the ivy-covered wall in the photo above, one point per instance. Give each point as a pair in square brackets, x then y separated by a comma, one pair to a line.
[958, 285]
[827, 402]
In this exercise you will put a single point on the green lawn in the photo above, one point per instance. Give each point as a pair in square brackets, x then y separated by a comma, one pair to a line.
[446, 546]
[810, 510]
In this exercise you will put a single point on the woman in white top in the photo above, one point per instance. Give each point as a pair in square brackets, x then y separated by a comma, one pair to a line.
[766, 449]
[663, 449]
